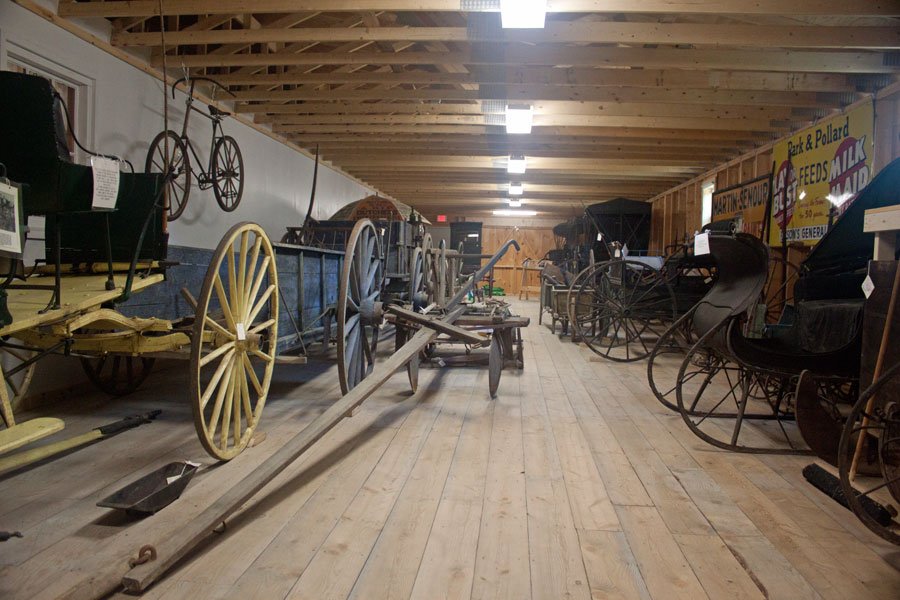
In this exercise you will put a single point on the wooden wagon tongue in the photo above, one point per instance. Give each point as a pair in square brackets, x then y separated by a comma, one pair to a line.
[173, 548]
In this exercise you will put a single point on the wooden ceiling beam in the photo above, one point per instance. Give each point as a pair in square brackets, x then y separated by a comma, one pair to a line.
[637, 78]
[148, 8]
[376, 112]
[534, 94]
[338, 156]
[625, 132]
[736, 123]
[534, 163]
[533, 141]
[579, 56]
[571, 32]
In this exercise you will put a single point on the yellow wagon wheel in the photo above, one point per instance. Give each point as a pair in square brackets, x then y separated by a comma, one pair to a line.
[357, 320]
[234, 341]
[16, 384]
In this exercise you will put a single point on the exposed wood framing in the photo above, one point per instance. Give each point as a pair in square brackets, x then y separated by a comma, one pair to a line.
[629, 98]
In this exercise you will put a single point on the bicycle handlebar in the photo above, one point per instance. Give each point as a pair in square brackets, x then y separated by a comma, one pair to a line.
[195, 79]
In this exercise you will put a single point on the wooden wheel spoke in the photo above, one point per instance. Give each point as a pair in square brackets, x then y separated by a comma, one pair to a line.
[227, 407]
[248, 366]
[220, 398]
[242, 272]
[223, 301]
[245, 399]
[251, 297]
[214, 381]
[238, 399]
[268, 358]
[260, 304]
[218, 328]
[262, 326]
[251, 269]
[233, 297]
[217, 352]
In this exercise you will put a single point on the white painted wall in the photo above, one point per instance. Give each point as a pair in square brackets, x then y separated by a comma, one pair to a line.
[126, 112]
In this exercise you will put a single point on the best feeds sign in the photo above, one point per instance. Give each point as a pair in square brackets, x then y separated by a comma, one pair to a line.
[818, 169]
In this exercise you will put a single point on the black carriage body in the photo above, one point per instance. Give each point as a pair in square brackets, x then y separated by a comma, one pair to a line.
[55, 187]
[624, 221]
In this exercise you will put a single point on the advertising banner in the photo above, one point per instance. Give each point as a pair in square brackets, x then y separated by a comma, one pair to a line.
[816, 171]
[744, 203]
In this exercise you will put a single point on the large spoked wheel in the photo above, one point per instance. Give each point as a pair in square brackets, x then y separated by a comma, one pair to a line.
[357, 321]
[665, 359]
[412, 367]
[16, 384]
[179, 186]
[718, 399]
[879, 425]
[228, 173]
[622, 308]
[234, 341]
[418, 292]
[428, 266]
[117, 375]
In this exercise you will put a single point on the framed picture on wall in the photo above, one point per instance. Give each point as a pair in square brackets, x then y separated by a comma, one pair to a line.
[12, 230]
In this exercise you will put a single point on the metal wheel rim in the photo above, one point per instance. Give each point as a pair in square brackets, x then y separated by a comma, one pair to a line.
[852, 429]
[250, 308]
[615, 303]
[228, 173]
[179, 187]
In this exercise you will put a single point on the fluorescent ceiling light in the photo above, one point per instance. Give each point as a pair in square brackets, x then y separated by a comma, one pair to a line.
[519, 118]
[516, 189]
[514, 203]
[523, 14]
[516, 164]
[514, 213]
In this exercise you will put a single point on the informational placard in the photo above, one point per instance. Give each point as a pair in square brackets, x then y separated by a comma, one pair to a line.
[701, 244]
[10, 220]
[106, 182]
[817, 171]
[745, 204]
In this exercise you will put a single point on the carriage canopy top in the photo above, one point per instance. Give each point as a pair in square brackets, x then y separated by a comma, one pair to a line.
[622, 220]
[377, 208]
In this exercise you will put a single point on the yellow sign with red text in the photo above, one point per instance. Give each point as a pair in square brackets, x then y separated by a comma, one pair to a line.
[817, 171]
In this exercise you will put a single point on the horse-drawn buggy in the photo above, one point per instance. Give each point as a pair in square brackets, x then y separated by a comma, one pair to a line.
[791, 383]
[623, 300]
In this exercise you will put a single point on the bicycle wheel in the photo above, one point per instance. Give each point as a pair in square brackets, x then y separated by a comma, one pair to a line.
[179, 187]
[227, 173]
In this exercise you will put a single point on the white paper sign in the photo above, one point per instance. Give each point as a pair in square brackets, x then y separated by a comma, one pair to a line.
[10, 232]
[599, 237]
[701, 244]
[106, 182]
[241, 332]
[868, 286]
[624, 249]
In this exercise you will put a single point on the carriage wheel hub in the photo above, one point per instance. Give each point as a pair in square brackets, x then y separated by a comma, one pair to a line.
[370, 312]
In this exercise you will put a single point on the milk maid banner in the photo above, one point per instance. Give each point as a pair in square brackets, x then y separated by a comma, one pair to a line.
[819, 168]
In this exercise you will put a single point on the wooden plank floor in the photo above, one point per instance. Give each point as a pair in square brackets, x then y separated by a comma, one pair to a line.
[573, 483]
